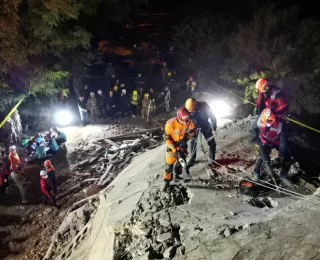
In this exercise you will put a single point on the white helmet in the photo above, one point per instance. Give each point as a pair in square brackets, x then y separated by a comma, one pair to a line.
[99, 91]
[44, 174]
[92, 94]
[124, 91]
[12, 148]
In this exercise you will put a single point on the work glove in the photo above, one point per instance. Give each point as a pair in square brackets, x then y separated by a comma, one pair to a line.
[214, 132]
[255, 111]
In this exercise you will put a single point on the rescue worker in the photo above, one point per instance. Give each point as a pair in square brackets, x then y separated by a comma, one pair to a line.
[125, 103]
[177, 132]
[111, 105]
[14, 159]
[61, 136]
[201, 113]
[51, 175]
[83, 110]
[134, 103]
[41, 152]
[167, 98]
[146, 104]
[269, 96]
[191, 84]
[17, 173]
[272, 134]
[102, 103]
[53, 145]
[93, 106]
[46, 189]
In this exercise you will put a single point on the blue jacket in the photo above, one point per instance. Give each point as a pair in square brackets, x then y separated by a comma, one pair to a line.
[62, 135]
[41, 151]
[53, 145]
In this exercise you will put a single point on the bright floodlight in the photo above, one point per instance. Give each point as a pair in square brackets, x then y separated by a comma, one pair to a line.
[220, 109]
[63, 117]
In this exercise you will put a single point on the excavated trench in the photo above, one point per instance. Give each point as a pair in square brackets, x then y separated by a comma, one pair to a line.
[150, 231]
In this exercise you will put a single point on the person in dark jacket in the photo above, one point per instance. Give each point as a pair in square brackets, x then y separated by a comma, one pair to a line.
[111, 105]
[82, 105]
[201, 113]
[125, 103]
[47, 189]
[102, 102]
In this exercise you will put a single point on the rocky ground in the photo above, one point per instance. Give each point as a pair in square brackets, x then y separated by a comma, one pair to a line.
[206, 218]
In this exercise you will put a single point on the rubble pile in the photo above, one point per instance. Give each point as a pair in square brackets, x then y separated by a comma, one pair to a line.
[112, 155]
[150, 234]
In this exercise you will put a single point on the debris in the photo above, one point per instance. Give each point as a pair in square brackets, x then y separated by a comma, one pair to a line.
[93, 189]
[168, 253]
[164, 237]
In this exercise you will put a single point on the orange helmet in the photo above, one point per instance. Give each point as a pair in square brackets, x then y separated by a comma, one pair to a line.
[47, 163]
[267, 116]
[190, 104]
[261, 84]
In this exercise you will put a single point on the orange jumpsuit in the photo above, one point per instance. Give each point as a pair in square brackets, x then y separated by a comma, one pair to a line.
[14, 160]
[176, 132]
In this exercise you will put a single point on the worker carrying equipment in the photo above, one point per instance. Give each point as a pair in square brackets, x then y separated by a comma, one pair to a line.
[272, 134]
[269, 96]
[201, 113]
[177, 132]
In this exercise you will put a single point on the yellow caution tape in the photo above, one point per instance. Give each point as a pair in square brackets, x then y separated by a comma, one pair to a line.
[10, 113]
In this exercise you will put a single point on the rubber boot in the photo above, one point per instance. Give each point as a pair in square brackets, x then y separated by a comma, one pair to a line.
[166, 186]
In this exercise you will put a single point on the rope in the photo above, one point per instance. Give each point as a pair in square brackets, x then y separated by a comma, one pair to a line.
[249, 102]
[274, 187]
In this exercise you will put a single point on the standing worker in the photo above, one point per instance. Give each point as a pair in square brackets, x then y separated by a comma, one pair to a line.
[272, 134]
[83, 110]
[46, 188]
[102, 102]
[177, 132]
[93, 106]
[191, 84]
[201, 113]
[111, 105]
[269, 96]
[125, 103]
[146, 104]
[51, 175]
[134, 103]
[167, 98]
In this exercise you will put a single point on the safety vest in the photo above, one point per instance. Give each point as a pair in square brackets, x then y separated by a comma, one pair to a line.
[134, 99]
[276, 100]
[269, 134]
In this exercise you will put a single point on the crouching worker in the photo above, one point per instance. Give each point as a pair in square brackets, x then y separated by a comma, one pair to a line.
[177, 132]
[41, 152]
[46, 188]
[61, 138]
[51, 175]
[272, 134]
